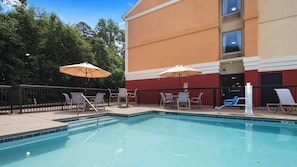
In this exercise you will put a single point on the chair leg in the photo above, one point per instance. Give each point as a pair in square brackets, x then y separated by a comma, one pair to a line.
[161, 102]
[189, 104]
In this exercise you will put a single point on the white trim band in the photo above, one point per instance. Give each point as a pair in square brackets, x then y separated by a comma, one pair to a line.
[251, 63]
[150, 10]
[278, 64]
[205, 68]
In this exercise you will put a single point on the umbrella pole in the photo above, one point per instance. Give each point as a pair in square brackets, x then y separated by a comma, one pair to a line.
[179, 81]
[86, 82]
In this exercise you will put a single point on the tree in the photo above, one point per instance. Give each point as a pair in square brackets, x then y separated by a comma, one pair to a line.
[107, 40]
[108, 31]
[52, 43]
[9, 41]
[62, 44]
[85, 29]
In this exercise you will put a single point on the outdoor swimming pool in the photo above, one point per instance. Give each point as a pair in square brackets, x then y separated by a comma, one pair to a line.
[166, 140]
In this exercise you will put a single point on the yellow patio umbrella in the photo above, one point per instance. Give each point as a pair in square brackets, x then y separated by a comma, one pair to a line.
[85, 70]
[179, 71]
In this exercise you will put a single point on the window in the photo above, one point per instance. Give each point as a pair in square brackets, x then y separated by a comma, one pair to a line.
[231, 41]
[230, 6]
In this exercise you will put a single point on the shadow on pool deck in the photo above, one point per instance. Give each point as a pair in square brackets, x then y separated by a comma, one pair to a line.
[15, 124]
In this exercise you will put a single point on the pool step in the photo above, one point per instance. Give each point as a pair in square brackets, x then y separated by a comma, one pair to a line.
[90, 123]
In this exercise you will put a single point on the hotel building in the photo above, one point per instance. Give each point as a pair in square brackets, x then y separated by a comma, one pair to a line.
[231, 41]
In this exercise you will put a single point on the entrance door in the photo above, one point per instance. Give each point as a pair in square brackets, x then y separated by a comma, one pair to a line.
[232, 85]
[267, 93]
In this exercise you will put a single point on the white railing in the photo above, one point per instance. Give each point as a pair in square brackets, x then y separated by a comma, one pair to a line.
[88, 101]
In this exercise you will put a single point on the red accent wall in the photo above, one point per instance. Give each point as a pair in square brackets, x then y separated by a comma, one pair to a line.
[252, 77]
[208, 80]
[290, 77]
[201, 81]
[151, 96]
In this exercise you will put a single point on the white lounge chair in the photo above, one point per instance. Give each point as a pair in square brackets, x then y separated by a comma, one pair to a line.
[198, 99]
[68, 100]
[77, 99]
[183, 101]
[112, 95]
[169, 96]
[133, 95]
[286, 101]
[99, 100]
[123, 95]
[166, 98]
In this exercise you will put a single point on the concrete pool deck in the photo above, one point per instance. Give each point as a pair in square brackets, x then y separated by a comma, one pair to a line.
[16, 124]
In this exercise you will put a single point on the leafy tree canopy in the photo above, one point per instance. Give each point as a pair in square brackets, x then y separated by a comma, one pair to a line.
[34, 43]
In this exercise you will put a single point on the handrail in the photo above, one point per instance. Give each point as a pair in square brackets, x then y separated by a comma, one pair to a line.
[87, 100]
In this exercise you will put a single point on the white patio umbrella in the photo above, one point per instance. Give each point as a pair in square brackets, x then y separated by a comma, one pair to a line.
[179, 71]
[85, 70]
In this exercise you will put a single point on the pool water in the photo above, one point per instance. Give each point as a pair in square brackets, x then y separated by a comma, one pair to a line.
[166, 141]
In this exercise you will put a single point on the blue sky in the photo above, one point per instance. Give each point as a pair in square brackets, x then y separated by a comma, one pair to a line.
[89, 11]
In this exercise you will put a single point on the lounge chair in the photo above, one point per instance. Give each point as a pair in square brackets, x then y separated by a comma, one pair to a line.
[133, 95]
[286, 101]
[123, 95]
[166, 98]
[77, 99]
[99, 100]
[183, 101]
[231, 103]
[68, 100]
[169, 96]
[198, 99]
[112, 95]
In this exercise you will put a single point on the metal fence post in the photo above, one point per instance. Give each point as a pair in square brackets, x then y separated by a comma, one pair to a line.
[214, 92]
[21, 99]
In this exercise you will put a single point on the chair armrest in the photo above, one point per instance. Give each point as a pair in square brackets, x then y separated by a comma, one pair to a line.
[228, 100]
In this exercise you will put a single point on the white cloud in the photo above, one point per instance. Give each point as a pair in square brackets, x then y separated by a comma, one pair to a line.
[121, 23]
[11, 3]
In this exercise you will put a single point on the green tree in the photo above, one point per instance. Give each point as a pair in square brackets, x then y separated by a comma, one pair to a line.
[85, 29]
[62, 44]
[9, 41]
[51, 44]
[107, 40]
[108, 31]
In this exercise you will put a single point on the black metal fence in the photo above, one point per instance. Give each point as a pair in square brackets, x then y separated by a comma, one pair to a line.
[215, 96]
[38, 98]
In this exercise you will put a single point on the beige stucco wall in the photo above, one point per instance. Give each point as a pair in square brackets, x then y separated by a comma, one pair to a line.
[176, 34]
[277, 28]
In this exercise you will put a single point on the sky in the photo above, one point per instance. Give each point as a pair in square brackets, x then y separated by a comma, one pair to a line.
[88, 11]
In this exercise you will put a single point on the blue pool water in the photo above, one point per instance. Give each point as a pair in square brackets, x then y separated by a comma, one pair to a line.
[161, 140]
